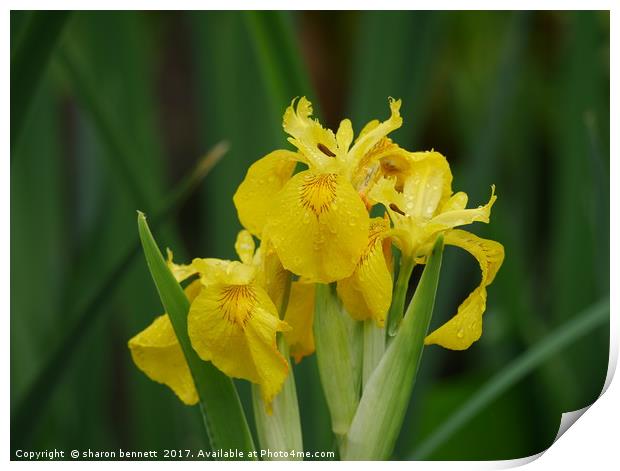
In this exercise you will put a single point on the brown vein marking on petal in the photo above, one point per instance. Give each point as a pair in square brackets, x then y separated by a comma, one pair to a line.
[237, 303]
[377, 228]
[395, 208]
[318, 192]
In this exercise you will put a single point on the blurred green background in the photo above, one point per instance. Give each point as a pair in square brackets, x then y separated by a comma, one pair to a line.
[111, 110]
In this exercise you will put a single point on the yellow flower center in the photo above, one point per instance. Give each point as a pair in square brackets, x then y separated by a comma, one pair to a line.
[318, 192]
[237, 303]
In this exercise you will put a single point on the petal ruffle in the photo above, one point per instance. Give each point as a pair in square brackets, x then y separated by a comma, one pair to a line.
[374, 132]
[367, 293]
[466, 326]
[156, 351]
[264, 179]
[316, 143]
[180, 272]
[319, 226]
[234, 326]
[300, 316]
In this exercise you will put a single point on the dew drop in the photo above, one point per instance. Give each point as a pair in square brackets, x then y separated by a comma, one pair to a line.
[460, 334]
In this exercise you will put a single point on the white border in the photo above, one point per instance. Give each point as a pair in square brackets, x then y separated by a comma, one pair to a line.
[592, 443]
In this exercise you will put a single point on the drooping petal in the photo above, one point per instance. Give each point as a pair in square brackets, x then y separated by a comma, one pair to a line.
[244, 246]
[316, 143]
[319, 226]
[156, 351]
[234, 326]
[300, 316]
[367, 293]
[466, 326]
[264, 179]
[461, 217]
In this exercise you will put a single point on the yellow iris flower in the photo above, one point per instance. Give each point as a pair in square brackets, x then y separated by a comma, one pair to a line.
[317, 219]
[418, 197]
[232, 322]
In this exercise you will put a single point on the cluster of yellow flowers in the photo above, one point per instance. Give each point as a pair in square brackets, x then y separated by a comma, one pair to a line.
[315, 224]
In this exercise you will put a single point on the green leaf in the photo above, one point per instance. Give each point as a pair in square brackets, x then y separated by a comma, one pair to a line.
[382, 409]
[29, 59]
[581, 325]
[221, 409]
[278, 57]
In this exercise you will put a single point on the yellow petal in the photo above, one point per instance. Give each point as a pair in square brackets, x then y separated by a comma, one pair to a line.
[234, 326]
[456, 202]
[344, 135]
[319, 226]
[373, 133]
[300, 316]
[180, 272]
[466, 326]
[427, 184]
[244, 246]
[367, 293]
[265, 178]
[460, 217]
[316, 143]
[270, 273]
[156, 351]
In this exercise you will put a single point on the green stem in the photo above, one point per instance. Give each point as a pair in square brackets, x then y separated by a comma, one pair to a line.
[584, 323]
[400, 294]
[374, 348]
[335, 337]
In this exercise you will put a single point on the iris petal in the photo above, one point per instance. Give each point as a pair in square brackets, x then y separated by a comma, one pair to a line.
[466, 326]
[460, 217]
[234, 326]
[156, 351]
[368, 292]
[264, 179]
[319, 226]
[300, 316]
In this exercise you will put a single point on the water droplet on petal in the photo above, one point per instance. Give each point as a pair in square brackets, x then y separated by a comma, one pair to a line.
[460, 334]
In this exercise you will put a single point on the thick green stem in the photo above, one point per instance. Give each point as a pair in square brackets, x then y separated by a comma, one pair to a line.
[337, 338]
[397, 308]
[280, 430]
[374, 348]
